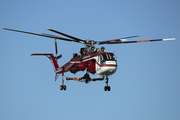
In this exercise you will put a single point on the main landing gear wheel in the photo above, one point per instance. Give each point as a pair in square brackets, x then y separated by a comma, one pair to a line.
[63, 87]
[107, 87]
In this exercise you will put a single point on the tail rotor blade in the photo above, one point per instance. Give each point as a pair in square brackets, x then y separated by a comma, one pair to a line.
[59, 56]
[56, 47]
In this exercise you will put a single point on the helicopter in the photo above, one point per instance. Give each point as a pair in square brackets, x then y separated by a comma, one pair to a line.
[93, 60]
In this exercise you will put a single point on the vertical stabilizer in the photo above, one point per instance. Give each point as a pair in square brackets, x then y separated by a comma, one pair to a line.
[54, 62]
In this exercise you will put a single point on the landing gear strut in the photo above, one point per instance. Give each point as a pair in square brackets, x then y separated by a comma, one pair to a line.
[107, 87]
[62, 87]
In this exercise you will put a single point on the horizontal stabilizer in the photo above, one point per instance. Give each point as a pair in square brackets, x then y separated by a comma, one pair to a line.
[51, 57]
[45, 54]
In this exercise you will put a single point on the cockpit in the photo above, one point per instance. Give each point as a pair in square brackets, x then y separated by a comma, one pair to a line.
[106, 57]
[106, 64]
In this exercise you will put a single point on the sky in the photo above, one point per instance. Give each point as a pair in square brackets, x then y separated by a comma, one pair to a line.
[146, 85]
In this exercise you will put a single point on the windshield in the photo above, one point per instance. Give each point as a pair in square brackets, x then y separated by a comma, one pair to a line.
[107, 57]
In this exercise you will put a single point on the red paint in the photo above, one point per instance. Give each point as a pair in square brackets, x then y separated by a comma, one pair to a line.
[78, 67]
[82, 66]
[91, 66]
[110, 65]
[113, 41]
[143, 41]
[54, 62]
[62, 75]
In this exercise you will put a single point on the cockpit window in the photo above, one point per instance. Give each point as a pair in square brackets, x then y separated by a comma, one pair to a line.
[112, 57]
[104, 57]
[107, 57]
[101, 57]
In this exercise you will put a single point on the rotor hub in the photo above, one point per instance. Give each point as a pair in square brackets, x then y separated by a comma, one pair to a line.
[92, 49]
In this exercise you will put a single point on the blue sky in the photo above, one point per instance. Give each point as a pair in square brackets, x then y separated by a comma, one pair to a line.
[145, 86]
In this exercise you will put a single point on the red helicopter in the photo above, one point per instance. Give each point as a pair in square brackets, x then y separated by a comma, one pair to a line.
[93, 60]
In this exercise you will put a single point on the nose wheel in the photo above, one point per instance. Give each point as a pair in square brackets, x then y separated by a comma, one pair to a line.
[62, 87]
[107, 88]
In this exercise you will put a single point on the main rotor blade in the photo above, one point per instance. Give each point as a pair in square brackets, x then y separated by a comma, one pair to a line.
[117, 40]
[44, 35]
[69, 36]
[140, 41]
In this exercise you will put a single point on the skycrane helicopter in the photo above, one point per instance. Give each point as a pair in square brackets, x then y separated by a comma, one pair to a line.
[93, 60]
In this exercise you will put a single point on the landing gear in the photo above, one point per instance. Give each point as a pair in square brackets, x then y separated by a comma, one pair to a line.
[107, 87]
[86, 78]
[62, 87]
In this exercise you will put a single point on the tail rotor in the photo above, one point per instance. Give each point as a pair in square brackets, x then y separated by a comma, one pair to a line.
[57, 56]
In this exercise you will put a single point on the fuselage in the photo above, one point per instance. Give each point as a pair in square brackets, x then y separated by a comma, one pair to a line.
[100, 63]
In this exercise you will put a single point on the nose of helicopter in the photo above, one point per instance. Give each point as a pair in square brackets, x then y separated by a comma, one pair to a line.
[108, 67]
